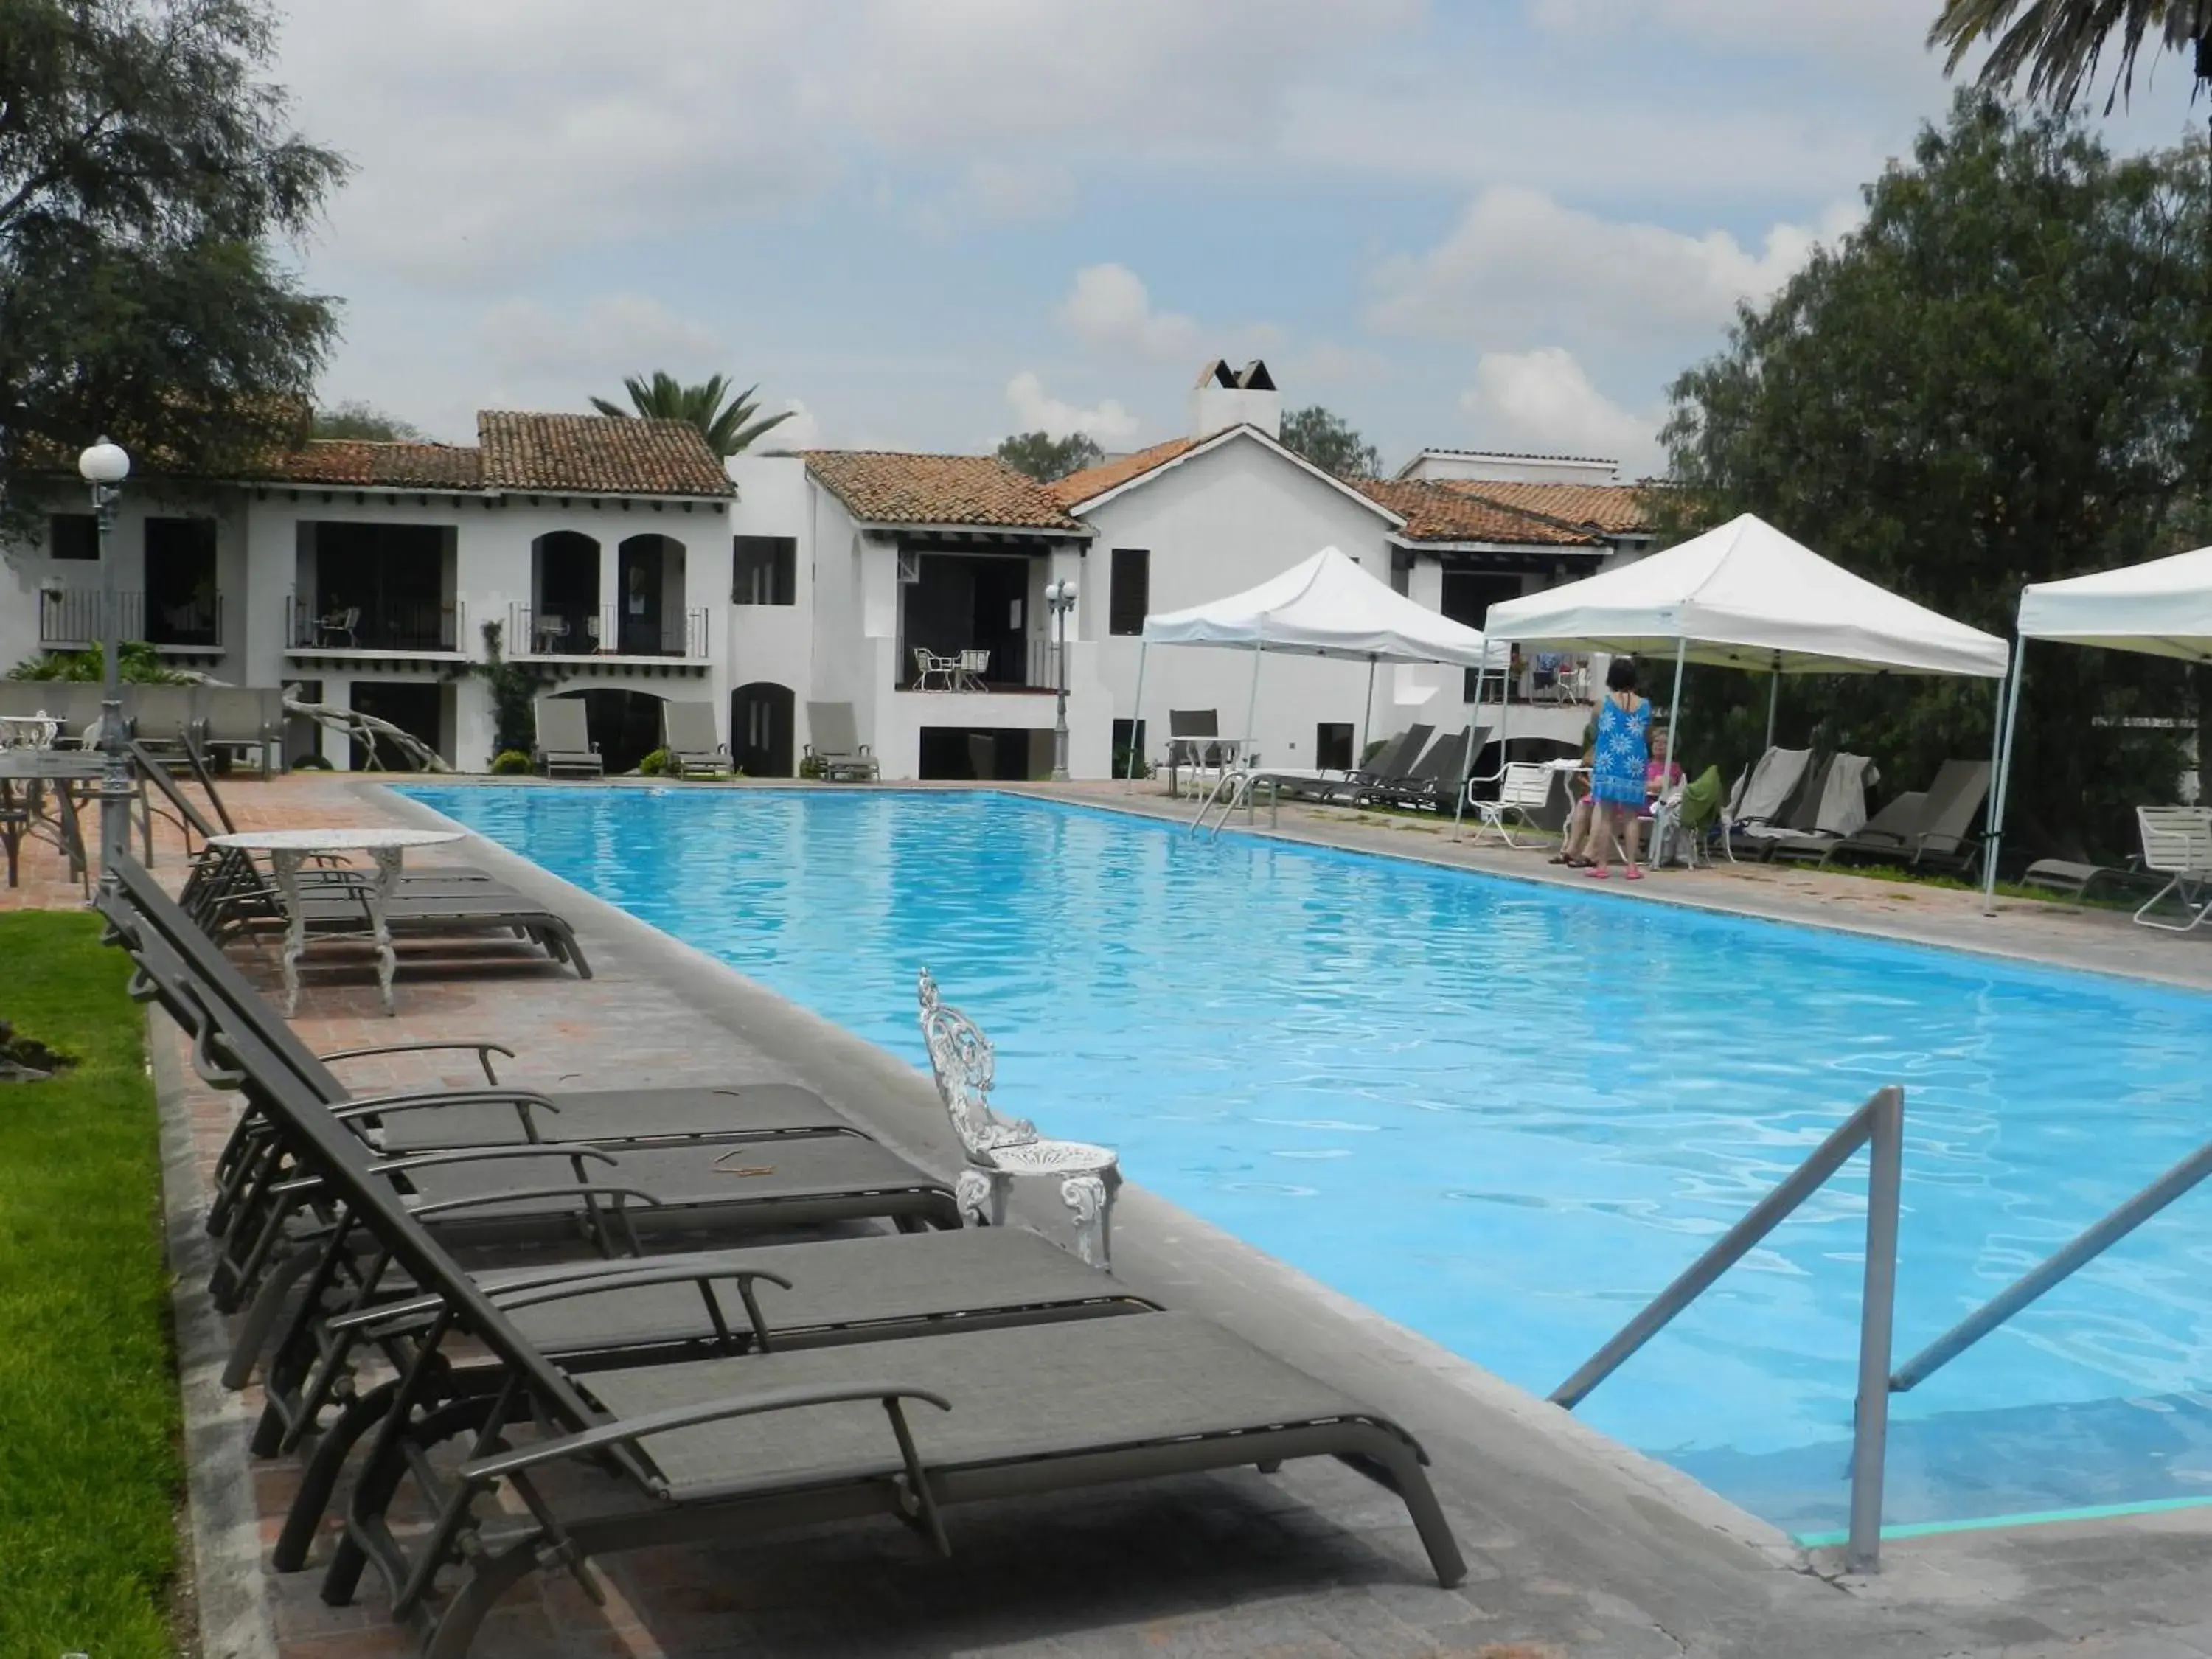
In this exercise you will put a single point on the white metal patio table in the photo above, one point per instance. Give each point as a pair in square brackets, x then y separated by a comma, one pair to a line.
[28, 731]
[288, 850]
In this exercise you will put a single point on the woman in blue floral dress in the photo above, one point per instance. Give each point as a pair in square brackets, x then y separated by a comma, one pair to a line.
[1617, 769]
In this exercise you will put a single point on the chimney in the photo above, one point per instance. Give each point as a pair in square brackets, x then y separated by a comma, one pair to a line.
[1226, 396]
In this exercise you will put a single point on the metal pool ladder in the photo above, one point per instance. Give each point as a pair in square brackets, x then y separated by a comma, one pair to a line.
[2062, 1263]
[1879, 1126]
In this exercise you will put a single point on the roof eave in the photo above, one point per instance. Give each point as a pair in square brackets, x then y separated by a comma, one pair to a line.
[910, 526]
[1207, 446]
[1591, 549]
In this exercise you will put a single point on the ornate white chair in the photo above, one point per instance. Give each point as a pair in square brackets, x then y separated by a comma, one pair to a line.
[999, 1149]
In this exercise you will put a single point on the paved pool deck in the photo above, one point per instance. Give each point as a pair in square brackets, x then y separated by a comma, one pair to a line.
[1576, 1546]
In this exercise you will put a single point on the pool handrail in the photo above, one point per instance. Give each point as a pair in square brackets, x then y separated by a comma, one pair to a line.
[1879, 1126]
[2062, 1263]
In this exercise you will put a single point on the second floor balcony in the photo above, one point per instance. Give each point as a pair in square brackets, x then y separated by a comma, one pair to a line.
[601, 631]
[396, 625]
[72, 619]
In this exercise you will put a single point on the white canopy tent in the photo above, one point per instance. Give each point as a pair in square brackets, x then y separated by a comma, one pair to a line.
[1747, 596]
[2160, 609]
[1323, 606]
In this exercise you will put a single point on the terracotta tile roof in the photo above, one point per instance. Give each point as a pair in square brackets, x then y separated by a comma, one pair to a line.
[1107, 475]
[579, 454]
[880, 487]
[1439, 513]
[1617, 509]
[361, 464]
[597, 454]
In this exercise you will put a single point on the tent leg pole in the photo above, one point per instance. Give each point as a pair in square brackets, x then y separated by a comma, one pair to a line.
[1252, 708]
[1366, 718]
[1675, 733]
[2008, 701]
[1773, 700]
[1137, 725]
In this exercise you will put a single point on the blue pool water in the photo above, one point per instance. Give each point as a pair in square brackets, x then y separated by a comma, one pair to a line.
[1505, 1114]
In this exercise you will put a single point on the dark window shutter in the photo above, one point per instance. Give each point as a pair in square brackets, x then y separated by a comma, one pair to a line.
[1132, 592]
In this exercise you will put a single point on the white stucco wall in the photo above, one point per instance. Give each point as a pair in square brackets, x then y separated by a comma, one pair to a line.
[1215, 525]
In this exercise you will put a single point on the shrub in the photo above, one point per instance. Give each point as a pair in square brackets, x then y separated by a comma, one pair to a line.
[509, 761]
[658, 763]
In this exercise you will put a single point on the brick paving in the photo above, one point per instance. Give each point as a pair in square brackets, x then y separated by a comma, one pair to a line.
[1574, 1547]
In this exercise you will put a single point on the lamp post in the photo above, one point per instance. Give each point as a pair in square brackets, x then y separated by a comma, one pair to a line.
[104, 467]
[1060, 599]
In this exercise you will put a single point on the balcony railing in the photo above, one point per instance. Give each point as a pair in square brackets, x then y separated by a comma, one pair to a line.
[1032, 669]
[382, 628]
[1544, 678]
[72, 617]
[603, 630]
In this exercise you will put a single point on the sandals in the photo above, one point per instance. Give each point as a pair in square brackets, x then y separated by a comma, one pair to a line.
[1596, 872]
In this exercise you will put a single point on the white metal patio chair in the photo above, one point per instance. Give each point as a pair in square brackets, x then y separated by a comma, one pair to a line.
[2176, 843]
[928, 665]
[968, 670]
[1524, 790]
[999, 1149]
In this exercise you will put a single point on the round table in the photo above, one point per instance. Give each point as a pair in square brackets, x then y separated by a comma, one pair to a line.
[28, 731]
[288, 849]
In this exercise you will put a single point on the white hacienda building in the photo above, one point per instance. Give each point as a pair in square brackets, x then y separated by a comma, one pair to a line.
[621, 561]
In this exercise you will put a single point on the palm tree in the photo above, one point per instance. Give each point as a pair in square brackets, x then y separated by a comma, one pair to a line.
[2059, 43]
[726, 422]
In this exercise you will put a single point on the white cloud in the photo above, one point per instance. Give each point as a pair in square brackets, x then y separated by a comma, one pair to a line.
[1110, 310]
[492, 134]
[612, 336]
[1107, 421]
[1520, 264]
[1543, 401]
[1002, 190]
[803, 430]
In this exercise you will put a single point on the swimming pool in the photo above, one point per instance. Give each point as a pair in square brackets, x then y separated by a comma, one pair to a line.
[1504, 1114]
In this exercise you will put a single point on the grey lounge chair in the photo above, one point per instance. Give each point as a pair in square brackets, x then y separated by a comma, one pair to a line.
[813, 1293]
[834, 743]
[1838, 814]
[1795, 815]
[731, 1448]
[163, 717]
[687, 732]
[1437, 776]
[564, 739]
[1391, 763]
[239, 719]
[1940, 834]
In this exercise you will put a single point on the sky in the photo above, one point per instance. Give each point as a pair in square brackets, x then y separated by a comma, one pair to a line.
[925, 224]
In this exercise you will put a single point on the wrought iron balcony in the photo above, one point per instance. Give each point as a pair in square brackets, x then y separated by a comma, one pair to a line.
[70, 617]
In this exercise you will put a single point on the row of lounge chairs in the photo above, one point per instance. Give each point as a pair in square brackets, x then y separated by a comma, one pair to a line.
[1415, 770]
[564, 746]
[222, 720]
[1791, 804]
[510, 1412]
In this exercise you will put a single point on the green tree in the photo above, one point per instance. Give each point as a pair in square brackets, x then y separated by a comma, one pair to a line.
[1993, 381]
[356, 419]
[2058, 44]
[725, 420]
[145, 172]
[1328, 441]
[1048, 459]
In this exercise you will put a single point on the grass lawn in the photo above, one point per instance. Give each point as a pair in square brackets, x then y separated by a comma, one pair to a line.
[89, 1474]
